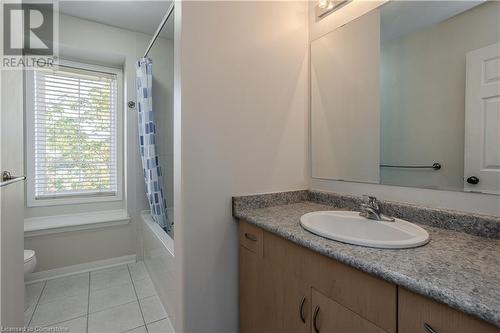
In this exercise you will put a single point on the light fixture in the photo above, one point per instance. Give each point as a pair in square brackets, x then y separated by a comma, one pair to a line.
[326, 7]
[323, 3]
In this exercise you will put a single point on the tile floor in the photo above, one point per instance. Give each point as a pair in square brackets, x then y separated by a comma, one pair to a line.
[118, 299]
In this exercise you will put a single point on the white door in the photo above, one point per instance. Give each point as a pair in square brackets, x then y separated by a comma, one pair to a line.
[482, 121]
[11, 200]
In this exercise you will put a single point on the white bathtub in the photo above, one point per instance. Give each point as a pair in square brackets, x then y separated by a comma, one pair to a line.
[159, 260]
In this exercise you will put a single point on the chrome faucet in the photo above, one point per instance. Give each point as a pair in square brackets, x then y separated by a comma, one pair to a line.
[371, 210]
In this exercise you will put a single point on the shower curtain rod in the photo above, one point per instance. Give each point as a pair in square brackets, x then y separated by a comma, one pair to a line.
[162, 24]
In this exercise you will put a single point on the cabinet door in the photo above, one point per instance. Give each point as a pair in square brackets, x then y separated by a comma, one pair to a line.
[284, 301]
[248, 291]
[418, 314]
[330, 317]
[372, 298]
[271, 301]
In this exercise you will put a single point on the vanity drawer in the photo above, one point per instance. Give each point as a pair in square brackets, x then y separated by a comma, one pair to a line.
[370, 297]
[251, 237]
[415, 312]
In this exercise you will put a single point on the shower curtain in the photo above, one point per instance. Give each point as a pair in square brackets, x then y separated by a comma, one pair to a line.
[147, 145]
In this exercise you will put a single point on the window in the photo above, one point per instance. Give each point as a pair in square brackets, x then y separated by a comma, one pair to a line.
[73, 134]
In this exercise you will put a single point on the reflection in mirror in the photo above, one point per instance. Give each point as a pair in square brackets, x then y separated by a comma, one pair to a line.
[420, 107]
[343, 104]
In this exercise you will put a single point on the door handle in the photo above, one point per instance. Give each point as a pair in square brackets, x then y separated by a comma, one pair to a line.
[429, 328]
[8, 179]
[251, 237]
[473, 180]
[315, 319]
[301, 310]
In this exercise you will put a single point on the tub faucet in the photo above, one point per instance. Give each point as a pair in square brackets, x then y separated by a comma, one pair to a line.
[371, 210]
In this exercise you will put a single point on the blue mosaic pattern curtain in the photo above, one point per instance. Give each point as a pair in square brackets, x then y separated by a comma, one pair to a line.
[147, 144]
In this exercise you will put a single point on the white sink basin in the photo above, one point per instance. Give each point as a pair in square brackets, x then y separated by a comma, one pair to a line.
[349, 227]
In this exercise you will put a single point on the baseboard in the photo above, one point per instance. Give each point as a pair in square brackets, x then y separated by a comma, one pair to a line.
[80, 268]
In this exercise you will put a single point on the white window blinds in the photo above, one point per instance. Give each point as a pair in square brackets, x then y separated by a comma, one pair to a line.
[74, 133]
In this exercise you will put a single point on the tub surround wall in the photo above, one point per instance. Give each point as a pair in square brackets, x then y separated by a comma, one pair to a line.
[456, 268]
[159, 260]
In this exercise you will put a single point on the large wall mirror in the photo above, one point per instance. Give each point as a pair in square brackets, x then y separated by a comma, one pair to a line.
[409, 94]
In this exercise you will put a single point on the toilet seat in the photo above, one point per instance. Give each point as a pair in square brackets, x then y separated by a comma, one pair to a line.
[28, 255]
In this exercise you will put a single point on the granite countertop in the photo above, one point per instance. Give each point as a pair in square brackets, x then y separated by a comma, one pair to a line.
[456, 268]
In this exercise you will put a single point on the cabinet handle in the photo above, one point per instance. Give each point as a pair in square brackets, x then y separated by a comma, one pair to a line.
[315, 319]
[251, 237]
[429, 328]
[301, 310]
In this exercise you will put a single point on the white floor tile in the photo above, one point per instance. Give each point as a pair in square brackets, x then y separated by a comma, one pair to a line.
[64, 302]
[59, 310]
[141, 329]
[78, 325]
[162, 326]
[118, 319]
[144, 288]
[152, 309]
[138, 271]
[105, 278]
[112, 296]
[33, 291]
[65, 286]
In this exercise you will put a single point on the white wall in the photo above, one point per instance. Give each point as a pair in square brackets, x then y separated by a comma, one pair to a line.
[96, 43]
[423, 97]
[243, 81]
[471, 202]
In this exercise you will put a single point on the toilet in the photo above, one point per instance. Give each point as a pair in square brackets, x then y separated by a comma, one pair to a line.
[29, 267]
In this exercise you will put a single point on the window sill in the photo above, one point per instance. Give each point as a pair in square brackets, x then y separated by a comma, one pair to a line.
[36, 226]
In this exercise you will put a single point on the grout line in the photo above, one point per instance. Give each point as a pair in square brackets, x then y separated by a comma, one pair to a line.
[149, 297]
[37, 301]
[166, 318]
[159, 320]
[112, 307]
[65, 320]
[138, 302]
[135, 328]
[88, 308]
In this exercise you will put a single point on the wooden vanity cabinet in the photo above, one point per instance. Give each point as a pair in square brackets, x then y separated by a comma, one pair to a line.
[286, 288]
[281, 284]
[418, 314]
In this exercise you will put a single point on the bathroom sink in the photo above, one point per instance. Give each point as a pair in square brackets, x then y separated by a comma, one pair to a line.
[349, 227]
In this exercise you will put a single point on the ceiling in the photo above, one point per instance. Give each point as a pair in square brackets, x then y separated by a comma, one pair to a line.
[141, 16]
[399, 18]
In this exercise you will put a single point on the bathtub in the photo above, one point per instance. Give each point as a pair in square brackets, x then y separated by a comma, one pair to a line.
[158, 249]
